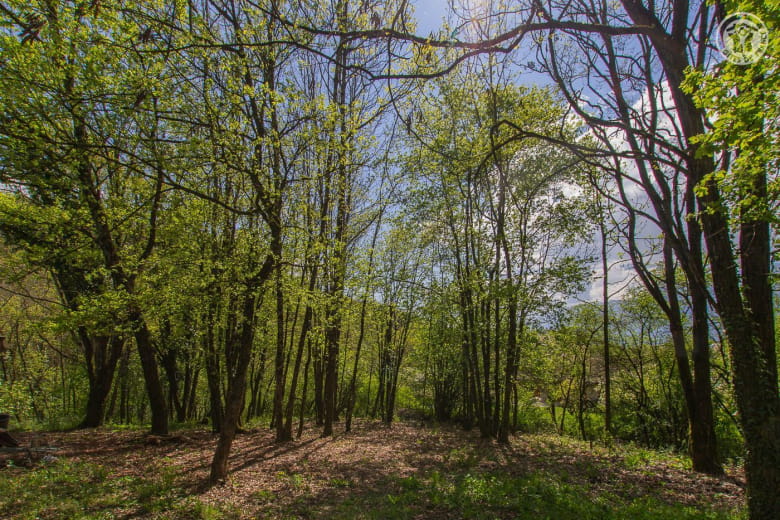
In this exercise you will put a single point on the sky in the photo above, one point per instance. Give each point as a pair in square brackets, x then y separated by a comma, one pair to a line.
[430, 14]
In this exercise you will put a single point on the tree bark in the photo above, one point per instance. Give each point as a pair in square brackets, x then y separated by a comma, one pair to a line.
[104, 352]
[605, 327]
[154, 389]
[238, 366]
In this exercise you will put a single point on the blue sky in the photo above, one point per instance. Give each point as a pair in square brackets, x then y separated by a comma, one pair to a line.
[429, 14]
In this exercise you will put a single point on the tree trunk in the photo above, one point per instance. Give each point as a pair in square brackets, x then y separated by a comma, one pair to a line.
[704, 451]
[171, 370]
[697, 392]
[303, 393]
[353, 379]
[509, 370]
[279, 359]
[105, 353]
[747, 316]
[753, 364]
[319, 373]
[286, 431]
[213, 370]
[232, 415]
[237, 372]
[605, 329]
[332, 336]
[154, 389]
[752, 349]
[351, 397]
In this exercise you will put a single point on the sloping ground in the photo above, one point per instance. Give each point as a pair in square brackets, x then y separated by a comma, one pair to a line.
[374, 472]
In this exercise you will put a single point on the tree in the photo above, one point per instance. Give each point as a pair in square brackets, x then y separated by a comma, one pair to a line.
[741, 196]
[71, 142]
[507, 219]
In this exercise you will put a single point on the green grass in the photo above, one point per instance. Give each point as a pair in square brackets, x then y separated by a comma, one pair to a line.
[500, 495]
[68, 490]
[65, 490]
[633, 456]
[556, 478]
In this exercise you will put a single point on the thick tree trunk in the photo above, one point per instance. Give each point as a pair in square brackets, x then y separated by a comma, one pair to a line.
[96, 399]
[171, 370]
[105, 353]
[755, 382]
[154, 389]
[747, 316]
[697, 389]
[105, 241]
[704, 451]
[235, 400]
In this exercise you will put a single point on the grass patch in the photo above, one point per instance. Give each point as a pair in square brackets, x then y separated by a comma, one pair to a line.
[501, 495]
[81, 490]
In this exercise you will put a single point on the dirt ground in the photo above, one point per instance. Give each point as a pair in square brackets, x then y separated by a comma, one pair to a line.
[319, 473]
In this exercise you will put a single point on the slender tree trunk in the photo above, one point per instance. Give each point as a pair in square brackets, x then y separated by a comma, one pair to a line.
[213, 370]
[124, 387]
[192, 399]
[362, 331]
[308, 315]
[509, 370]
[319, 373]
[304, 392]
[386, 369]
[605, 329]
[235, 395]
[239, 361]
[581, 396]
[698, 404]
[497, 348]
[337, 273]
[289, 410]
[704, 451]
[279, 359]
[353, 379]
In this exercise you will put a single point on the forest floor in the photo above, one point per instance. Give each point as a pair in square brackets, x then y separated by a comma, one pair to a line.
[405, 471]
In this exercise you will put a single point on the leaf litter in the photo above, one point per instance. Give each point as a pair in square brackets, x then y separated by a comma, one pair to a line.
[313, 475]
